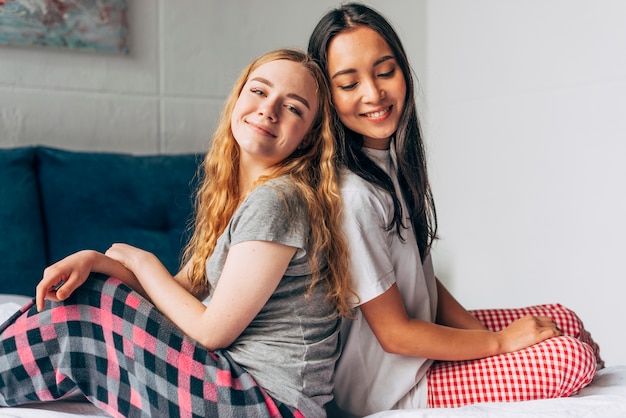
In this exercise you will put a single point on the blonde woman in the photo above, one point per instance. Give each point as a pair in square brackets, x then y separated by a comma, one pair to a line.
[265, 248]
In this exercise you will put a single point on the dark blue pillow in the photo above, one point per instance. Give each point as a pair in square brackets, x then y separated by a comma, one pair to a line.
[92, 200]
[22, 241]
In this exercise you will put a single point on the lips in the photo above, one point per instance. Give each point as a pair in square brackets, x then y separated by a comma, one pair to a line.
[263, 130]
[379, 114]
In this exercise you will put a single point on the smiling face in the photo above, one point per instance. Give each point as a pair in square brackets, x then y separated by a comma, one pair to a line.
[368, 86]
[274, 112]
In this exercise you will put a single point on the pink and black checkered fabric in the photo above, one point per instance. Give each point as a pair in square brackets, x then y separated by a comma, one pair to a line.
[126, 357]
[557, 367]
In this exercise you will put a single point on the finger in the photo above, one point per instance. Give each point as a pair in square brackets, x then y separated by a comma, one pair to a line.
[42, 289]
[116, 246]
[56, 289]
[112, 252]
[545, 321]
[552, 324]
[62, 291]
[47, 291]
[40, 299]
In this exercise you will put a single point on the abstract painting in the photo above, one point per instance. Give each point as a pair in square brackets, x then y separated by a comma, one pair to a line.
[96, 25]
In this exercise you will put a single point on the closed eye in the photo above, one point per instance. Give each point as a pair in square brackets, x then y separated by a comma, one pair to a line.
[348, 86]
[387, 74]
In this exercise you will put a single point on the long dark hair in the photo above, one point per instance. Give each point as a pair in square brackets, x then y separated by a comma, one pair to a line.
[407, 141]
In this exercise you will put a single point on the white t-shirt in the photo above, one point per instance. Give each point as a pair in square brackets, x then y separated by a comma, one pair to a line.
[368, 379]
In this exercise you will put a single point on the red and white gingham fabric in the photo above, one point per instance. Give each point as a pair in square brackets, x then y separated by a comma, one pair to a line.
[557, 367]
[567, 320]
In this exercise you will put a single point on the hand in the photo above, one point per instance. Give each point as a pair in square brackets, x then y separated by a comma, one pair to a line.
[527, 331]
[63, 277]
[129, 256]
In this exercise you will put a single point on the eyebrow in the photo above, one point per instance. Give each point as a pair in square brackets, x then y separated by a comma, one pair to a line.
[352, 70]
[290, 95]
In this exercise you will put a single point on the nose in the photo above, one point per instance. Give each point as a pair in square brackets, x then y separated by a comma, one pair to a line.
[372, 92]
[268, 110]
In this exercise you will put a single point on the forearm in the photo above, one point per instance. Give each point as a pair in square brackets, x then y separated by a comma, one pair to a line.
[400, 334]
[397, 333]
[451, 313]
[439, 342]
[167, 294]
[424, 339]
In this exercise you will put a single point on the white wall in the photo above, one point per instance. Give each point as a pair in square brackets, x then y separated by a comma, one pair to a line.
[526, 127]
[523, 106]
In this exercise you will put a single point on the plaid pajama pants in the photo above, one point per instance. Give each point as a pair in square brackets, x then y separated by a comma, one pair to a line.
[557, 367]
[126, 357]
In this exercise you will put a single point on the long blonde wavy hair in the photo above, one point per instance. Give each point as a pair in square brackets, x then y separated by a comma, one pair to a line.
[313, 170]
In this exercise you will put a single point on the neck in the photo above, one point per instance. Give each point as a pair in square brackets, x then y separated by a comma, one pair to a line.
[248, 175]
[380, 144]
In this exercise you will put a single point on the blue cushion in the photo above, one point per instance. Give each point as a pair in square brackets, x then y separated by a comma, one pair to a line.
[22, 241]
[92, 200]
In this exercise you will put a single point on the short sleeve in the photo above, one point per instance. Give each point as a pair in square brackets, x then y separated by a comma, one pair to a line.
[273, 212]
[365, 226]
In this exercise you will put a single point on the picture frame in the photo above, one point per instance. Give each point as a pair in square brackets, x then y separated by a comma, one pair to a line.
[91, 25]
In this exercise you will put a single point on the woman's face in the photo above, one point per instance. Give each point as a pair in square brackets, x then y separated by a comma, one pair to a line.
[274, 112]
[367, 84]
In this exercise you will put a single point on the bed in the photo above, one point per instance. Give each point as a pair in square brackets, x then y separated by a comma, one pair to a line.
[605, 397]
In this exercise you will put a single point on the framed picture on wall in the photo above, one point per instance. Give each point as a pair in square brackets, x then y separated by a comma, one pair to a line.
[95, 25]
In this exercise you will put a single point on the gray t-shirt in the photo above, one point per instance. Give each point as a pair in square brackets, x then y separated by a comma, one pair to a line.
[292, 345]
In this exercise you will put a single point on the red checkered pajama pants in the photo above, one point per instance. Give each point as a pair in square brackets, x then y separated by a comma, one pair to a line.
[126, 357]
[557, 367]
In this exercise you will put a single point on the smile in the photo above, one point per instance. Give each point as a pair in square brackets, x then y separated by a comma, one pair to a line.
[377, 114]
[261, 129]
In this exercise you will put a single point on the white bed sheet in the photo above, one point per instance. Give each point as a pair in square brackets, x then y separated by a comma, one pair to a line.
[605, 397]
